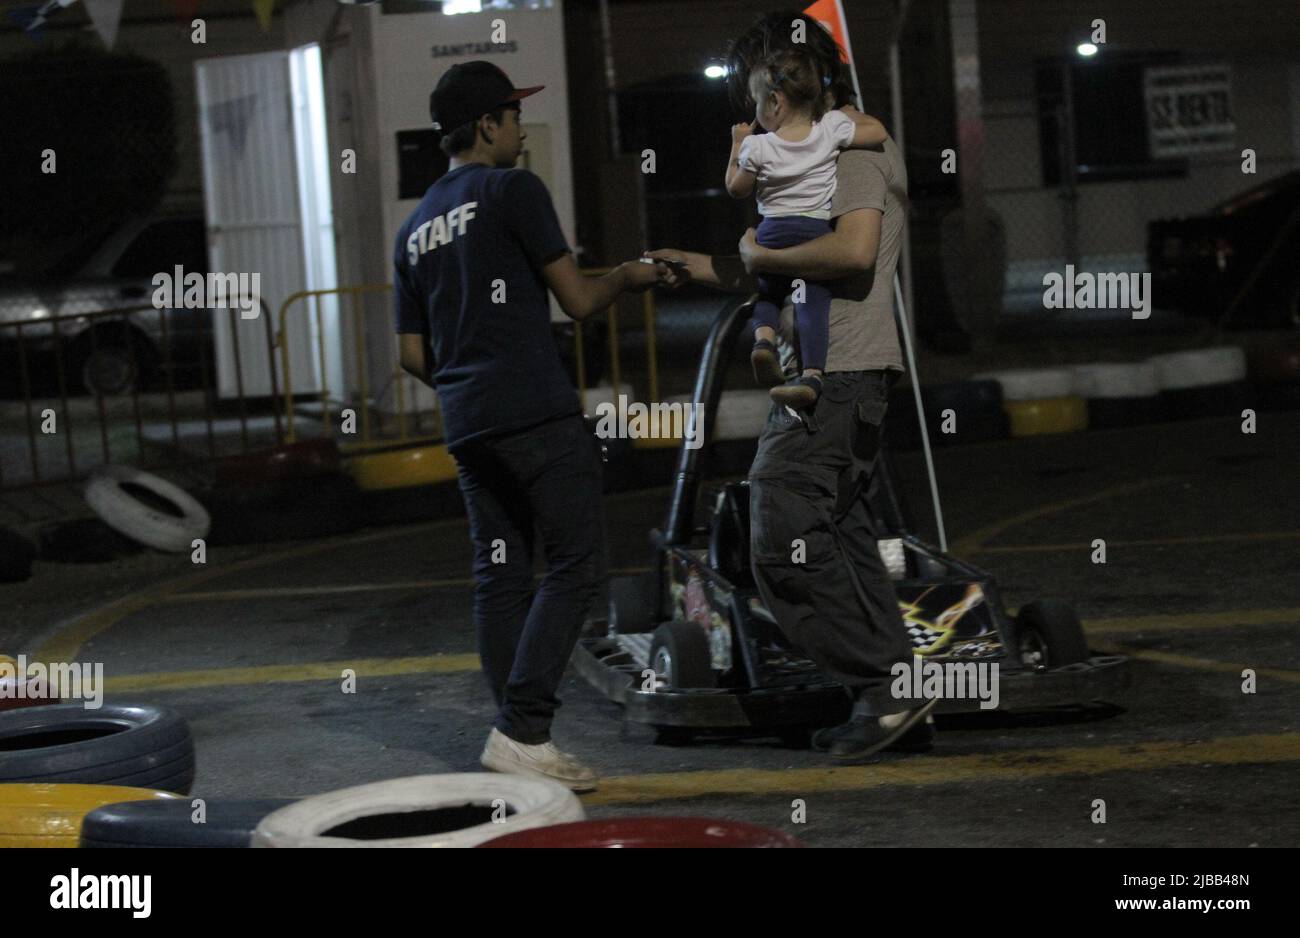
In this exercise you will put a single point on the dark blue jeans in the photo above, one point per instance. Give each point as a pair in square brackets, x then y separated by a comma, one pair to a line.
[812, 316]
[543, 482]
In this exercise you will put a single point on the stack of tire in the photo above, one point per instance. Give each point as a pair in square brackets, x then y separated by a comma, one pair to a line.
[1208, 382]
[1275, 374]
[1040, 400]
[295, 491]
[1119, 394]
[61, 761]
[978, 414]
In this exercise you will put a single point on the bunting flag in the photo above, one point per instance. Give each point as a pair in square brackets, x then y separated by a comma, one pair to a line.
[105, 15]
[185, 10]
[264, 8]
[830, 13]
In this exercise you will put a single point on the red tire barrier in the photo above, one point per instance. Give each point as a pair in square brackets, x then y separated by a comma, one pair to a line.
[299, 460]
[648, 832]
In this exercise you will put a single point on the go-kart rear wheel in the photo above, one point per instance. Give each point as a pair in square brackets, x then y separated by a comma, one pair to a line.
[679, 655]
[1050, 635]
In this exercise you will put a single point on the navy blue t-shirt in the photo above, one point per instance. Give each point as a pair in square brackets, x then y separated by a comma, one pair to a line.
[468, 274]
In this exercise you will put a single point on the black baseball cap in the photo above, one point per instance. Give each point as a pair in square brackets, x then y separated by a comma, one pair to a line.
[469, 90]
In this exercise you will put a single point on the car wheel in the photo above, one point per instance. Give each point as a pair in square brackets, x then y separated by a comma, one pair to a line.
[112, 360]
[1050, 635]
[679, 655]
[109, 372]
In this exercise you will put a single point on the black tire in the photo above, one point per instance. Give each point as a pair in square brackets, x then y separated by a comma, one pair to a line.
[296, 509]
[632, 602]
[16, 556]
[679, 654]
[86, 540]
[141, 824]
[114, 745]
[115, 360]
[1050, 635]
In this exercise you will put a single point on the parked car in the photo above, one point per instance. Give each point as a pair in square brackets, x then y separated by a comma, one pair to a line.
[1200, 264]
[114, 340]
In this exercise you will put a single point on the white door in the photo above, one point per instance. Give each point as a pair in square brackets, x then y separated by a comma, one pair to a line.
[265, 215]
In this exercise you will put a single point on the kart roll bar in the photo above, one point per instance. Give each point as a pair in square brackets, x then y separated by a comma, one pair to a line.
[884, 498]
[721, 342]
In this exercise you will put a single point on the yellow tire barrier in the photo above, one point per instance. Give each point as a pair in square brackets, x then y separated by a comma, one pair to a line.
[402, 468]
[1047, 415]
[47, 815]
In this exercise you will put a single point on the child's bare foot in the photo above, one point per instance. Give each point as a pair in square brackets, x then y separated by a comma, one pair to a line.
[799, 393]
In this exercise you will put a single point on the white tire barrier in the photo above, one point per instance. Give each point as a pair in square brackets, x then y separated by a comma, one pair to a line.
[528, 803]
[1031, 384]
[1223, 364]
[123, 512]
[1106, 380]
[742, 415]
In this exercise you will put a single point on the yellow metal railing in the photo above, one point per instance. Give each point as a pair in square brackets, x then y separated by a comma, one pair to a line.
[294, 302]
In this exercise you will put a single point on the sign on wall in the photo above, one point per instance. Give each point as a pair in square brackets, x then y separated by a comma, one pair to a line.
[1189, 110]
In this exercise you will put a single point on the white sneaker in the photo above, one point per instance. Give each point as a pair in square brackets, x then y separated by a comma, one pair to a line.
[503, 754]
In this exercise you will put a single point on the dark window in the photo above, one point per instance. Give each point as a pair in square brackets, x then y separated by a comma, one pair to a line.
[1110, 118]
[420, 162]
[163, 245]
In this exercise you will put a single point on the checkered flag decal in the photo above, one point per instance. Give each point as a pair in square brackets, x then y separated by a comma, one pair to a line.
[922, 636]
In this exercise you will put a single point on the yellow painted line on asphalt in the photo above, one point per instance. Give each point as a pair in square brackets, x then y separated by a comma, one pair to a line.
[365, 668]
[1201, 664]
[1247, 537]
[1190, 621]
[973, 543]
[288, 591]
[1015, 766]
[73, 634]
[382, 667]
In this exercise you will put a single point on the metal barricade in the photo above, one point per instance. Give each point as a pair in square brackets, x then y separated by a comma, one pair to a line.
[409, 424]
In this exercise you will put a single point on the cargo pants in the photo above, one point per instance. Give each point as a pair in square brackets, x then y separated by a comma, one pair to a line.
[812, 543]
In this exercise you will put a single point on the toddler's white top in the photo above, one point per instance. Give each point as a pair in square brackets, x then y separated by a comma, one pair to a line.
[797, 177]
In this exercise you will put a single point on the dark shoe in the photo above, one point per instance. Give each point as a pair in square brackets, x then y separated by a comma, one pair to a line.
[920, 738]
[799, 393]
[868, 736]
[766, 363]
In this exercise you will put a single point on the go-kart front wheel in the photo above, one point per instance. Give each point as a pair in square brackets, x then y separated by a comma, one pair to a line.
[1050, 635]
[679, 655]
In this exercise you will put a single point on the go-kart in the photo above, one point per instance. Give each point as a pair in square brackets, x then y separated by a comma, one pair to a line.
[691, 646]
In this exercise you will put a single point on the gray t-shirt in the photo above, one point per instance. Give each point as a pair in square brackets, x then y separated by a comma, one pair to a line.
[863, 334]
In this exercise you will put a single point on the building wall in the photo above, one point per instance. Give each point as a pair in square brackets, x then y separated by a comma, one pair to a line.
[1261, 43]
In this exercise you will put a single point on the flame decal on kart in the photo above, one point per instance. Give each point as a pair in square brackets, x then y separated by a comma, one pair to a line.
[930, 635]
